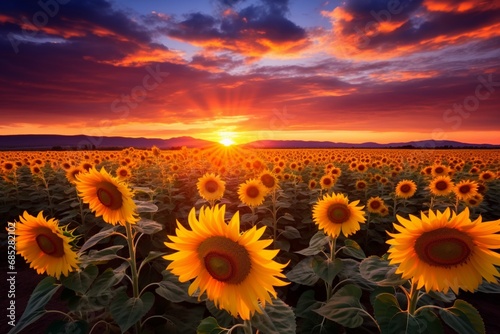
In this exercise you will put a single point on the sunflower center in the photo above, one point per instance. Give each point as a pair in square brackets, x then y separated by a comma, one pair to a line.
[464, 189]
[444, 247]
[405, 188]
[211, 186]
[441, 185]
[252, 192]
[327, 181]
[375, 205]
[338, 213]
[50, 243]
[439, 170]
[267, 180]
[225, 260]
[109, 195]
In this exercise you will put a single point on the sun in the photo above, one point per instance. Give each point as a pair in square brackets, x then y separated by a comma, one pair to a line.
[227, 142]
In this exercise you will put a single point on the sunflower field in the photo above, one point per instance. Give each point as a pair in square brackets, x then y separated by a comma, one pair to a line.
[233, 240]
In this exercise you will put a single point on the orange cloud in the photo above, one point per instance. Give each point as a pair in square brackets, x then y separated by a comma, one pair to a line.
[145, 56]
[460, 6]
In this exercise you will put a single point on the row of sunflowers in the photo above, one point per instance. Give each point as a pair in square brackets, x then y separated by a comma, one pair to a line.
[230, 240]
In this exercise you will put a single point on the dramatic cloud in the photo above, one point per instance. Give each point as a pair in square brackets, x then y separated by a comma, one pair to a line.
[254, 31]
[411, 68]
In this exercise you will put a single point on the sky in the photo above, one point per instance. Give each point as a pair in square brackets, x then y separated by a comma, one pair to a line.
[342, 71]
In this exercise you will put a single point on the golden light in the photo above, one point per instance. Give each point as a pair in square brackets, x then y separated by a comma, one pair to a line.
[227, 142]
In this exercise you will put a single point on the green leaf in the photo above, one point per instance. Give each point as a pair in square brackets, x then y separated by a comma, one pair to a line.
[93, 240]
[61, 326]
[276, 318]
[103, 282]
[288, 217]
[80, 281]
[209, 326]
[376, 270]
[316, 244]
[35, 308]
[463, 318]
[353, 249]
[127, 311]
[350, 271]
[145, 206]
[105, 254]
[487, 287]
[306, 303]
[327, 269]
[303, 273]
[153, 255]
[393, 320]
[223, 317]
[291, 232]
[148, 226]
[171, 289]
[344, 307]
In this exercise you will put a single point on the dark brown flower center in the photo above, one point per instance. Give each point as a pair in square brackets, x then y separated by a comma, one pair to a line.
[338, 213]
[465, 189]
[50, 243]
[327, 181]
[252, 192]
[405, 188]
[267, 180]
[375, 204]
[439, 170]
[109, 195]
[361, 185]
[211, 186]
[444, 247]
[441, 185]
[225, 260]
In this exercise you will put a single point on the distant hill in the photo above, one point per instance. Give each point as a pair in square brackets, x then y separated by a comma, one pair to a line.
[42, 142]
[47, 142]
[328, 144]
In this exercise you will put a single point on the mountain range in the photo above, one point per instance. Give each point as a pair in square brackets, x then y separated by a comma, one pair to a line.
[60, 142]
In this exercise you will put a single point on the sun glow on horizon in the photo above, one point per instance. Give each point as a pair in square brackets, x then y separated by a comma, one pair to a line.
[227, 142]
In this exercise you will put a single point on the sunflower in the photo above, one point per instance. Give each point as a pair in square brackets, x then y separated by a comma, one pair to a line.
[361, 185]
[375, 205]
[441, 186]
[335, 214]
[234, 269]
[252, 192]
[487, 176]
[123, 173]
[465, 189]
[45, 245]
[445, 251]
[107, 197]
[474, 201]
[439, 170]
[211, 187]
[269, 180]
[406, 188]
[72, 172]
[312, 184]
[327, 181]
[8, 166]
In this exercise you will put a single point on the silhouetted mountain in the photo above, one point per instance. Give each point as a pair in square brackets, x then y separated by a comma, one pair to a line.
[12, 142]
[328, 144]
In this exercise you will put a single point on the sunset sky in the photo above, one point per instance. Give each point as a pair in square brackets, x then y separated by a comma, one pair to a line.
[342, 71]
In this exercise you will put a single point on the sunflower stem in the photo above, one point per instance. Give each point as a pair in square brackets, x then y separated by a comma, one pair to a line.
[329, 287]
[412, 302]
[247, 327]
[133, 267]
